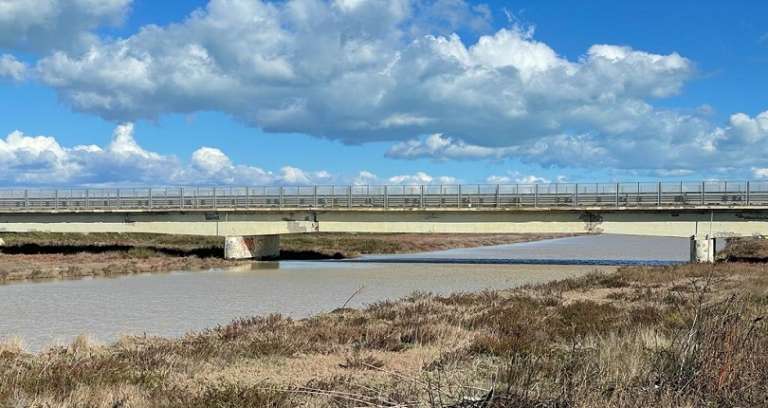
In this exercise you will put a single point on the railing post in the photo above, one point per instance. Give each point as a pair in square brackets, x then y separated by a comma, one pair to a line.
[536, 195]
[576, 196]
[149, 202]
[498, 192]
[386, 196]
[703, 185]
[517, 195]
[349, 196]
[281, 198]
[682, 196]
[26, 198]
[658, 194]
[87, 198]
[458, 197]
[56, 199]
[119, 200]
[422, 204]
[314, 197]
[617, 194]
[748, 194]
[214, 204]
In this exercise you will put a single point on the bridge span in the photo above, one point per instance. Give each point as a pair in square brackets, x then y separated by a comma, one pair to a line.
[253, 218]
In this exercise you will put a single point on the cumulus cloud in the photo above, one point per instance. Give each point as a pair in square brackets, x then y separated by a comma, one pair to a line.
[44, 25]
[376, 70]
[760, 173]
[354, 71]
[749, 130]
[419, 178]
[438, 146]
[12, 68]
[42, 160]
[518, 178]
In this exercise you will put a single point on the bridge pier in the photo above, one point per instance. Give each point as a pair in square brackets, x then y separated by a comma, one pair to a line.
[702, 249]
[252, 247]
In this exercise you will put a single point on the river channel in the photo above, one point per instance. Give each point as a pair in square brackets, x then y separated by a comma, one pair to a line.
[172, 304]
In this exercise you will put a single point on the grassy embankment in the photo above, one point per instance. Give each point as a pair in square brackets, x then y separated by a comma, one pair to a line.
[685, 335]
[45, 255]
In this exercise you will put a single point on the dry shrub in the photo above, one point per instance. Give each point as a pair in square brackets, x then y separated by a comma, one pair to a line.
[360, 361]
[11, 347]
[722, 355]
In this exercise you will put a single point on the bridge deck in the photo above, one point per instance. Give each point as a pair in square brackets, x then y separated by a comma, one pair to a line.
[523, 196]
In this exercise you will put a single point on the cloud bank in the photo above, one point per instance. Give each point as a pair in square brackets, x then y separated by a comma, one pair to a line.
[42, 25]
[386, 70]
[43, 161]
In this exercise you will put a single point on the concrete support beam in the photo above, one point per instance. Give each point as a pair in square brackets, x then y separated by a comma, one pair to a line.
[702, 249]
[252, 247]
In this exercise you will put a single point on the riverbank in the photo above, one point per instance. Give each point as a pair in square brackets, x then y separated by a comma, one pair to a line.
[47, 256]
[683, 335]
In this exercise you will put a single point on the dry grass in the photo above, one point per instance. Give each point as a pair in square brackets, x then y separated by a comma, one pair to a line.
[753, 249]
[645, 336]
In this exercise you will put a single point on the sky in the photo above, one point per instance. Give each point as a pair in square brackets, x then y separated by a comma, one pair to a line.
[253, 92]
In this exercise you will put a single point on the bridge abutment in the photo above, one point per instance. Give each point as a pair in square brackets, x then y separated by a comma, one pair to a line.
[252, 247]
[702, 249]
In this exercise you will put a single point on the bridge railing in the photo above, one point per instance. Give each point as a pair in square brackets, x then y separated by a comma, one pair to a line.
[642, 194]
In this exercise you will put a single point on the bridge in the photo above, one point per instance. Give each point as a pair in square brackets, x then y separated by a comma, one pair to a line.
[252, 218]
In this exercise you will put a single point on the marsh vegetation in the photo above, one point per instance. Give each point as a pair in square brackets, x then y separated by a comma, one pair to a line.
[684, 335]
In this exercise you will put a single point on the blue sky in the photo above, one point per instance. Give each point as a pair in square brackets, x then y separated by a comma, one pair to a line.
[357, 91]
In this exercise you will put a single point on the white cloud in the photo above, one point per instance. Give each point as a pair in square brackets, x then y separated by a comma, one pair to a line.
[12, 68]
[518, 178]
[210, 160]
[362, 70]
[760, 173]
[365, 177]
[420, 178]
[42, 160]
[749, 130]
[375, 70]
[44, 25]
[438, 146]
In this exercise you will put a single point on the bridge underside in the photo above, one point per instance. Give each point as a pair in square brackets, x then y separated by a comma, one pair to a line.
[683, 222]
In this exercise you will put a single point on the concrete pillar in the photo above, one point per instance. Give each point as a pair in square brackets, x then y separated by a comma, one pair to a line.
[702, 249]
[253, 247]
[2, 243]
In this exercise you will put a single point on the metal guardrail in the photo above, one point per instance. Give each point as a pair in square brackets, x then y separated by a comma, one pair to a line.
[643, 194]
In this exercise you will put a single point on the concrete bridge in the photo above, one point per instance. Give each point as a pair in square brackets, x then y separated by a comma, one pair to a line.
[252, 218]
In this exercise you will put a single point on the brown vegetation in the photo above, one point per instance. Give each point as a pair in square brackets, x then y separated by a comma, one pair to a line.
[746, 249]
[686, 335]
[49, 255]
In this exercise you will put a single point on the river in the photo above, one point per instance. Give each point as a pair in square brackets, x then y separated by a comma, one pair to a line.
[172, 304]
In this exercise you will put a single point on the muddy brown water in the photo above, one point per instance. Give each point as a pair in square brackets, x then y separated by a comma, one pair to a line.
[55, 312]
